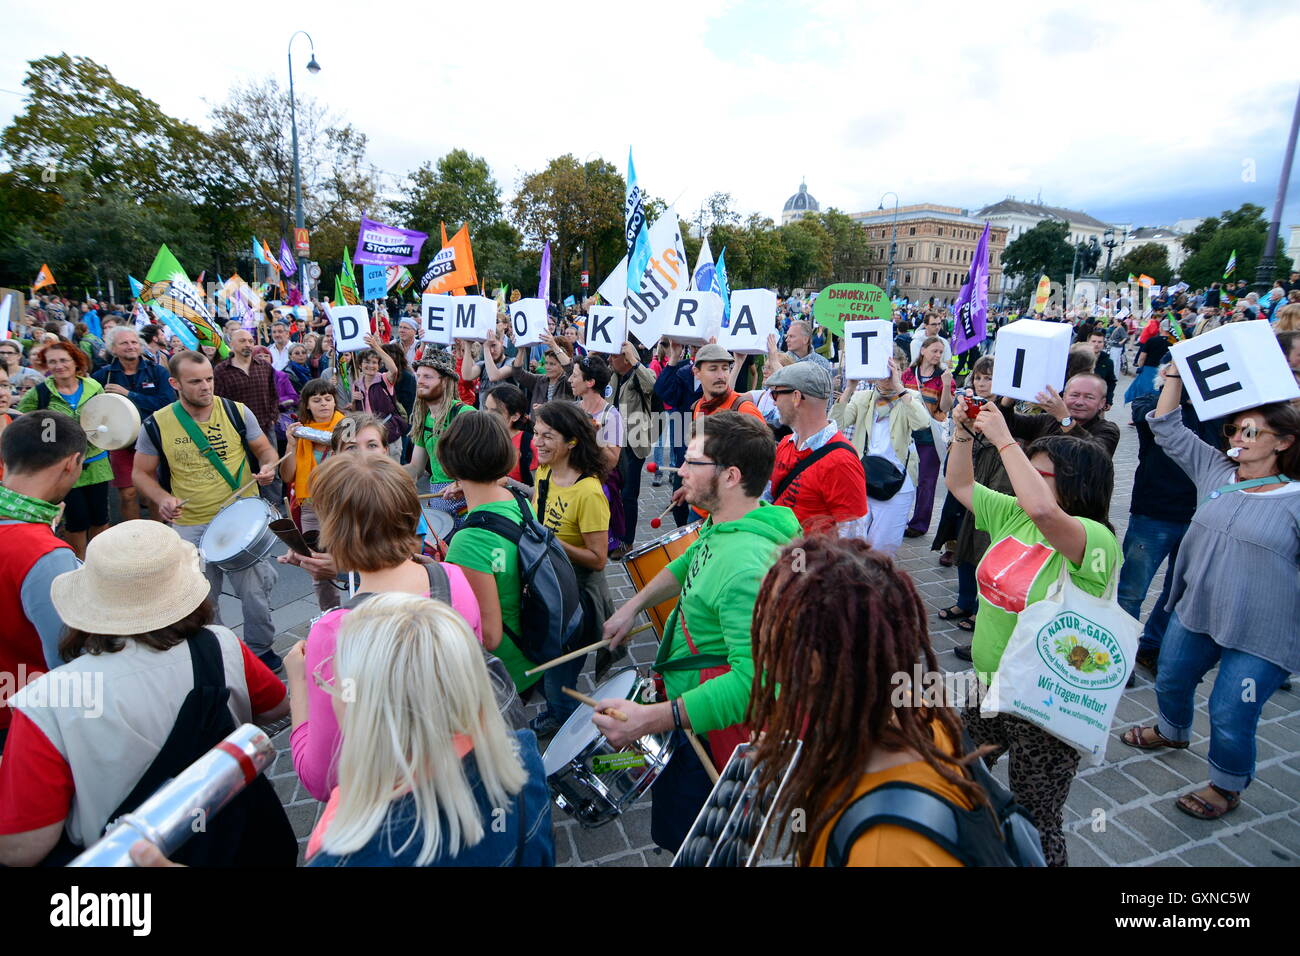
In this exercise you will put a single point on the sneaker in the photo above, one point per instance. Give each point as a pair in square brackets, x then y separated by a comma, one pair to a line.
[543, 725]
[962, 652]
[910, 533]
[272, 660]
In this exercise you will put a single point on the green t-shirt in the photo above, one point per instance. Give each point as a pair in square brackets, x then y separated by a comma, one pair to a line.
[430, 436]
[1020, 568]
[481, 550]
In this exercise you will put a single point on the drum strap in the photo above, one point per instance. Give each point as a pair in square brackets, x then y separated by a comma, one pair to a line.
[201, 443]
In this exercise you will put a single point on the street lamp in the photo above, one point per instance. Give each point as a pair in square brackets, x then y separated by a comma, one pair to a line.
[312, 67]
[893, 245]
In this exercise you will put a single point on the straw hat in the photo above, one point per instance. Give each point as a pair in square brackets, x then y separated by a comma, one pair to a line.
[139, 576]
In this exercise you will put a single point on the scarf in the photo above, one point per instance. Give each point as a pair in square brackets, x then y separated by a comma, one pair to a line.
[710, 405]
[299, 372]
[19, 507]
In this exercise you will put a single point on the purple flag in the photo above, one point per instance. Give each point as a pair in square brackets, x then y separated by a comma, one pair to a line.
[380, 245]
[972, 307]
[287, 262]
[544, 282]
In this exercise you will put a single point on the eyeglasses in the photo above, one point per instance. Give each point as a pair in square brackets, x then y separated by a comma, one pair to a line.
[1248, 432]
[702, 464]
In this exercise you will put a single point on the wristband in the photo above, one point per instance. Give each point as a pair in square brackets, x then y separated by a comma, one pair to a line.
[1002, 448]
[677, 714]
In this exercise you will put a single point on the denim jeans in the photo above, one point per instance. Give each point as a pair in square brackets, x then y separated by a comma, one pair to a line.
[1147, 542]
[560, 705]
[967, 590]
[1244, 683]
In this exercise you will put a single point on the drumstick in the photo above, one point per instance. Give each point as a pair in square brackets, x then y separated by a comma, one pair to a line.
[436, 494]
[594, 704]
[654, 468]
[239, 491]
[580, 651]
[698, 747]
[659, 519]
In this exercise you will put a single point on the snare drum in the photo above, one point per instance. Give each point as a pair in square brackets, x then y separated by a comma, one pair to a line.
[649, 559]
[596, 795]
[240, 535]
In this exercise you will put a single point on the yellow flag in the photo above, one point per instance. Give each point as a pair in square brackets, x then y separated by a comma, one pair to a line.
[1041, 296]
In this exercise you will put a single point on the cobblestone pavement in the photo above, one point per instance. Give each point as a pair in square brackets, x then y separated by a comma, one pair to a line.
[1119, 813]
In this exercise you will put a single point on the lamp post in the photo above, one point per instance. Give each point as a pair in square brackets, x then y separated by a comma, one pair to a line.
[1108, 240]
[312, 67]
[1268, 261]
[893, 245]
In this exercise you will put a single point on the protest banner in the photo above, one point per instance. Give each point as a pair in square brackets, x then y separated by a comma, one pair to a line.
[753, 319]
[374, 283]
[1032, 354]
[666, 272]
[1233, 368]
[380, 245]
[847, 302]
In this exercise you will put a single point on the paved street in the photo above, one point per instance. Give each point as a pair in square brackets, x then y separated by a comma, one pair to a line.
[1120, 813]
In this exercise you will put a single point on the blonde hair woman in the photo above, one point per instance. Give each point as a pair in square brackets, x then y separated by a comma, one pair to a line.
[429, 774]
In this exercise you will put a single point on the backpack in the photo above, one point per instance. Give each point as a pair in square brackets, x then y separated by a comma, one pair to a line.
[150, 427]
[550, 605]
[1006, 837]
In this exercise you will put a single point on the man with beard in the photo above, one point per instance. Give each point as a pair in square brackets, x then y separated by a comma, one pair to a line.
[436, 406]
[42, 453]
[705, 657]
[190, 457]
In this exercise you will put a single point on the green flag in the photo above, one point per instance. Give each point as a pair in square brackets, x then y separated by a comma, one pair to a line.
[1232, 264]
[350, 279]
[164, 266]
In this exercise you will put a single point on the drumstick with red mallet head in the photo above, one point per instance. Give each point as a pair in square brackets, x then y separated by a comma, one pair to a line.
[657, 521]
[654, 467]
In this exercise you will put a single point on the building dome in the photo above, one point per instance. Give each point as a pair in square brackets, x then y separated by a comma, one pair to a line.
[801, 202]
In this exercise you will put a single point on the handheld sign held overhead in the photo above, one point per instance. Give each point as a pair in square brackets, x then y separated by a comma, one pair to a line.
[753, 319]
[1032, 355]
[850, 301]
[868, 344]
[351, 325]
[528, 321]
[472, 317]
[606, 329]
[435, 318]
[1233, 368]
[693, 317]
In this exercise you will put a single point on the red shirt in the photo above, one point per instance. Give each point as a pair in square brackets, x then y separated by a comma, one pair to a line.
[22, 657]
[532, 462]
[36, 783]
[826, 493]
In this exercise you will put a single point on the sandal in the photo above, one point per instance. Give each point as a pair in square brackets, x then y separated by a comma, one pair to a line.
[954, 613]
[1134, 737]
[967, 624]
[1197, 806]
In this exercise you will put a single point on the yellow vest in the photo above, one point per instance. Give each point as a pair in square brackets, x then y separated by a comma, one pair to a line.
[193, 478]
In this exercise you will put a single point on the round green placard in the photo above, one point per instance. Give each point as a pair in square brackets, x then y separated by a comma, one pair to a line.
[847, 301]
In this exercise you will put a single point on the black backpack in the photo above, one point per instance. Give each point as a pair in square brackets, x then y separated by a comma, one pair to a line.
[1007, 837]
[550, 604]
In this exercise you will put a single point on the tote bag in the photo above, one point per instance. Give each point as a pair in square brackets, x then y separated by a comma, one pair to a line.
[1066, 664]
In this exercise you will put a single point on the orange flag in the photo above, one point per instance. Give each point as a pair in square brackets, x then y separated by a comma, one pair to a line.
[43, 278]
[462, 273]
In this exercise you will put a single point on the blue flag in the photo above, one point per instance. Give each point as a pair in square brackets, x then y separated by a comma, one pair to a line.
[636, 229]
[374, 282]
[722, 287]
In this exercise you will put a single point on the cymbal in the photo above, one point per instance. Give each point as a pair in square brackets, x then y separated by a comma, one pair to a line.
[110, 421]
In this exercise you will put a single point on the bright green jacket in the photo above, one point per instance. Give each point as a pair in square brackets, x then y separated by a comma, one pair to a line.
[720, 575]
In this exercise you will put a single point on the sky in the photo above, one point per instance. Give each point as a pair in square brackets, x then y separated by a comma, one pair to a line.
[1141, 112]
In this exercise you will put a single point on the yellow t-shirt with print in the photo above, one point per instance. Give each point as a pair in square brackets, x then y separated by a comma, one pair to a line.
[193, 478]
[579, 509]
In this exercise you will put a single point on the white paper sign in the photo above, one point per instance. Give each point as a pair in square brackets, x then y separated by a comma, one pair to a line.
[753, 319]
[606, 329]
[528, 321]
[351, 325]
[6, 309]
[435, 318]
[1032, 354]
[472, 317]
[693, 317]
[868, 345]
[666, 273]
[1233, 368]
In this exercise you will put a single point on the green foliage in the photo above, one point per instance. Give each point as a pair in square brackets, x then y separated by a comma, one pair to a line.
[1043, 250]
[1150, 258]
[1214, 240]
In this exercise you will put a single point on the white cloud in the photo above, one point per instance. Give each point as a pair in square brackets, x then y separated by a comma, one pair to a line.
[940, 101]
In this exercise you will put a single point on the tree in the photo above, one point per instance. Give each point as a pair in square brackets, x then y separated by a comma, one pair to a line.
[1212, 243]
[808, 253]
[254, 148]
[1042, 250]
[849, 247]
[1150, 258]
[458, 189]
[572, 205]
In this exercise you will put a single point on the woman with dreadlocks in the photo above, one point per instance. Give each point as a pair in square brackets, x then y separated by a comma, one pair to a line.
[842, 667]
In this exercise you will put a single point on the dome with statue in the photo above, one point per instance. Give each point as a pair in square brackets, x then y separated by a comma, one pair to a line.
[799, 205]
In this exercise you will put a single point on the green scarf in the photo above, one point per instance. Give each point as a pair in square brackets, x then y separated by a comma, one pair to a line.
[22, 508]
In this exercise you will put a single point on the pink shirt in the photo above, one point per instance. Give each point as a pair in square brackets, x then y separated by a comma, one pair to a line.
[315, 741]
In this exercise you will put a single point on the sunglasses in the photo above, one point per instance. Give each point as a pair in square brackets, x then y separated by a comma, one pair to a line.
[782, 391]
[1248, 432]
